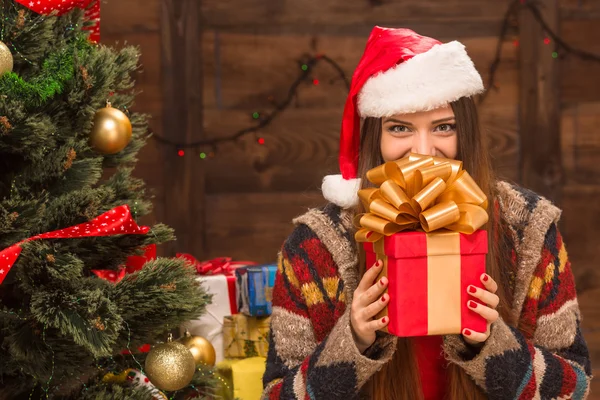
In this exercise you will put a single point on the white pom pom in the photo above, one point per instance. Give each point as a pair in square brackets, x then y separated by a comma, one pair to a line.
[340, 191]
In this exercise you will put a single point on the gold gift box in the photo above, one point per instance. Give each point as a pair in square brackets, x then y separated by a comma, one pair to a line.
[245, 337]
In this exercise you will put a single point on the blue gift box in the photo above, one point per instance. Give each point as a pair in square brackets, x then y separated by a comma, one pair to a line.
[254, 289]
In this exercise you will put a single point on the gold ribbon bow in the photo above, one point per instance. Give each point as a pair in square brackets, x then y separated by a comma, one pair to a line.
[420, 191]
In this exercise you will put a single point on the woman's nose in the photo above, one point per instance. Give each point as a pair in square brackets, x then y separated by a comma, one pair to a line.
[422, 144]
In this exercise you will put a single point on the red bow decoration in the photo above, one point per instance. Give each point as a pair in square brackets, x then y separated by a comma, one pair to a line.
[91, 7]
[219, 265]
[110, 275]
[117, 221]
[133, 264]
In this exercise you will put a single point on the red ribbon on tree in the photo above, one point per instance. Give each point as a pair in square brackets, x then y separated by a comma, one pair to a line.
[91, 7]
[117, 221]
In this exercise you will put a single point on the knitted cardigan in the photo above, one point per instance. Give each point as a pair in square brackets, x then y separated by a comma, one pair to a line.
[312, 353]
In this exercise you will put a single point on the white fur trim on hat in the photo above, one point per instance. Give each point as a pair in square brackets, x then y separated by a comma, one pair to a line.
[340, 191]
[425, 82]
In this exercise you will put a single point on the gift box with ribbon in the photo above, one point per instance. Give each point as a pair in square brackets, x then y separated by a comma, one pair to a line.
[245, 336]
[255, 289]
[423, 221]
[218, 277]
[243, 378]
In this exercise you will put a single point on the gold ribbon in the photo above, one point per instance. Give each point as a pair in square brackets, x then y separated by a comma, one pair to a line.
[419, 191]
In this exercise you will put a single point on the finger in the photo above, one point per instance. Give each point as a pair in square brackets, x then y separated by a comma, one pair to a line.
[378, 324]
[489, 314]
[373, 293]
[372, 309]
[489, 283]
[486, 297]
[477, 337]
[369, 277]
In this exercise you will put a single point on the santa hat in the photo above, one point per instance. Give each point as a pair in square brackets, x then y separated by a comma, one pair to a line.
[400, 72]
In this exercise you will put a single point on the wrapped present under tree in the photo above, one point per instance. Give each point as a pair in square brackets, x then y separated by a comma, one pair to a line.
[218, 278]
[245, 336]
[255, 289]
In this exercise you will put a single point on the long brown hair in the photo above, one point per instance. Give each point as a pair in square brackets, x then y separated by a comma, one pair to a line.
[399, 379]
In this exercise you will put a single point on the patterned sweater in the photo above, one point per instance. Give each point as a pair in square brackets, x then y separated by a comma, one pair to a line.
[312, 354]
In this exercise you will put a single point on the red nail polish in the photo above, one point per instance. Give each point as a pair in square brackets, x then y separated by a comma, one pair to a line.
[467, 332]
[383, 298]
[472, 289]
[381, 282]
[384, 320]
[485, 278]
[472, 304]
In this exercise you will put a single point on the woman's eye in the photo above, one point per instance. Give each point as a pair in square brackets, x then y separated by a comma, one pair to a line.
[446, 128]
[398, 129]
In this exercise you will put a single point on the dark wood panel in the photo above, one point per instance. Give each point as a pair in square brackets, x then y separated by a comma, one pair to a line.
[579, 8]
[151, 168]
[594, 386]
[581, 143]
[243, 70]
[540, 153]
[580, 226]
[435, 18]
[590, 326]
[182, 116]
[499, 125]
[579, 78]
[253, 226]
[131, 16]
[301, 147]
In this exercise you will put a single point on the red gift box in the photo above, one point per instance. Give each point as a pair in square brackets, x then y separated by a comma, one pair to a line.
[423, 220]
[428, 277]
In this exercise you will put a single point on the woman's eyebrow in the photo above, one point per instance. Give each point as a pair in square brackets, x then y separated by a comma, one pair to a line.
[398, 121]
[442, 120]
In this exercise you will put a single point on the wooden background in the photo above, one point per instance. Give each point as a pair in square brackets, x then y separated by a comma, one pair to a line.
[209, 64]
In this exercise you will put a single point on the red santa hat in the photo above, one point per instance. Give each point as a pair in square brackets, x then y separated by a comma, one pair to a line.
[400, 72]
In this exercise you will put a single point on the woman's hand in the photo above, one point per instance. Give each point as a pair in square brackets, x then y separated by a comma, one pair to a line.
[367, 302]
[487, 310]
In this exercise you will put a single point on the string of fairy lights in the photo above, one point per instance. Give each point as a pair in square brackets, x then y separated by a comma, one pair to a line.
[207, 148]
[261, 120]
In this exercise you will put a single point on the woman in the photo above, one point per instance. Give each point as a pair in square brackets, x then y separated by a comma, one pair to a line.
[415, 95]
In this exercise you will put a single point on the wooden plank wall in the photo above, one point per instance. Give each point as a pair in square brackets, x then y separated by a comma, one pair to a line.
[250, 53]
[252, 190]
[580, 144]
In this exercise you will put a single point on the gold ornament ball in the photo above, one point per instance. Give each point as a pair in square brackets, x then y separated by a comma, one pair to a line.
[170, 366]
[111, 131]
[202, 350]
[6, 59]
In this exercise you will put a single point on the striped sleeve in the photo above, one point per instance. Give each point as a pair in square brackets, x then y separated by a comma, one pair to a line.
[551, 363]
[312, 353]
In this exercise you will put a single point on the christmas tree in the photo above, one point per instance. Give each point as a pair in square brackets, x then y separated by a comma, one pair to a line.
[72, 318]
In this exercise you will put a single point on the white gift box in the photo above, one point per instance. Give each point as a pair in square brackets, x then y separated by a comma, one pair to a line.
[210, 325]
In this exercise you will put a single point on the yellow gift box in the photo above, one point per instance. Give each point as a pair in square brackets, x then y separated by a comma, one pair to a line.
[245, 336]
[244, 376]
